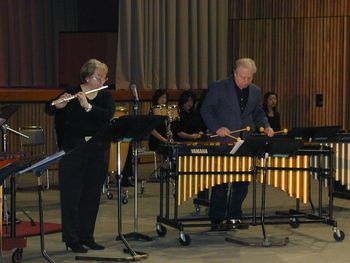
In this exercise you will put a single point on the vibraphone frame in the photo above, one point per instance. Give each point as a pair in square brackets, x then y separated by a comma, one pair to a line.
[341, 146]
[170, 174]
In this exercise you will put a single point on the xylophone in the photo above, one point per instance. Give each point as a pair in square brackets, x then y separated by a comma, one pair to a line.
[7, 162]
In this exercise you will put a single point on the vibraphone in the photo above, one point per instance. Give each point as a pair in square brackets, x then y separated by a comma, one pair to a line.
[341, 147]
[194, 168]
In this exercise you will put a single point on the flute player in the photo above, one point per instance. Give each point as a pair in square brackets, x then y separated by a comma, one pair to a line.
[82, 172]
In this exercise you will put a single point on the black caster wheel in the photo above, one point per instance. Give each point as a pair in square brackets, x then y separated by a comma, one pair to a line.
[184, 239]
[161, 230]
[339, 235]
[294, 223]
[125, 200]
[17, 255]
[197, 209]
[109, 196]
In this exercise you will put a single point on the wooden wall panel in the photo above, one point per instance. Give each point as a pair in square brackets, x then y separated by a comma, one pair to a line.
[301, 49]
[262, 9]
[33, 114]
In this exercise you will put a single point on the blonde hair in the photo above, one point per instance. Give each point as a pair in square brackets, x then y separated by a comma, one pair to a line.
[89, 68]
[246, 63]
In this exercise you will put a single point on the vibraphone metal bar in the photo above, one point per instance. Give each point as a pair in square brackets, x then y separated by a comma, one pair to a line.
[197, 167]
[197, 173]
[341, 146]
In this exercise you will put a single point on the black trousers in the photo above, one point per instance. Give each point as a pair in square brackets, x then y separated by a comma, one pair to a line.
[222, 207]
[82, 173]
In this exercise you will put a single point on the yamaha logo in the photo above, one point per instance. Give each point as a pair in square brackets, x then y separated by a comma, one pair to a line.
[199, 151]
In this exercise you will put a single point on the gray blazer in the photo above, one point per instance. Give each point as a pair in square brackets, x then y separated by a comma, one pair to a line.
[221, 108]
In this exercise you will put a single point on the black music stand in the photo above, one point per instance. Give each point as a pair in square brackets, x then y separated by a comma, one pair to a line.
[318, 133]
[38, 169]
[135, 154]
[263, 147]
[314, 134]
[126, 128]
[6, 111]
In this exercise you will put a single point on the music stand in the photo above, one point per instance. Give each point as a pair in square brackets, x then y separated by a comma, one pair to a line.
[126, 128]
[135, 153]
[263, 147]
[13, 167]
[320, 133]
[38, 169]
[6, 111]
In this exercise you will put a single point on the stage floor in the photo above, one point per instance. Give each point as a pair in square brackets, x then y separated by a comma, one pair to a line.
[308, 243]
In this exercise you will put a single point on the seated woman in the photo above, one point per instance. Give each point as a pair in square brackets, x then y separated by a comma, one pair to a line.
[270, 108]
[158, 135]
[190, 127]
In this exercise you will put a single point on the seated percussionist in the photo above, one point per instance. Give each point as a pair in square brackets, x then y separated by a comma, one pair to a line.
[270, 109]
[190, 126]
[231, 104]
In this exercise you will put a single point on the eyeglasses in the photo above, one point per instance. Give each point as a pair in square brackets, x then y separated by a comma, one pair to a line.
[99, 79]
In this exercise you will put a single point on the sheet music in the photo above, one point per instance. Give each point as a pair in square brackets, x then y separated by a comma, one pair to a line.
[44, 161]
[236, 147]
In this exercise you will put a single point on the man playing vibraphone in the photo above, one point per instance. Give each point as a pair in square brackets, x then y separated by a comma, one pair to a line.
[231, 104]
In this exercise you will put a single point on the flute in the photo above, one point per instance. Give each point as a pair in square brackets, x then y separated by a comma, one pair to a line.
[58, 101]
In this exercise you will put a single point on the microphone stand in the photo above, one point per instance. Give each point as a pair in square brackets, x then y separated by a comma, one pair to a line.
[135, 235]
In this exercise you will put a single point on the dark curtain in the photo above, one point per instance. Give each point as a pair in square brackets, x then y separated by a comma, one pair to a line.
[29, 40]
[172, 44]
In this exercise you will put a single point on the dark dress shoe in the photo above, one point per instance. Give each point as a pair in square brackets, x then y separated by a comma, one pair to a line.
[218, 226]
[76, 247]
[93, 245]
[236, 224]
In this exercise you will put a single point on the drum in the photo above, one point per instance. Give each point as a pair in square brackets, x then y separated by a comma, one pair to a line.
[171, 111]
[124, 147]
[160, 110]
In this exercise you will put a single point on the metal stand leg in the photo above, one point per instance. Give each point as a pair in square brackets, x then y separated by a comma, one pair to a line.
[135, 255]
[41, 217]
[266, 242]
[135, 235]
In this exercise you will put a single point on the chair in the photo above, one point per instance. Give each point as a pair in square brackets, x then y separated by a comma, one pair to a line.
[35, 144]
[141, 153]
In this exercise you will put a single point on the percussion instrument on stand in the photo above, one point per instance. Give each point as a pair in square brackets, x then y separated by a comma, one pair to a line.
[169, 111]
[196, 167]
[6, 111]
[113, 153]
